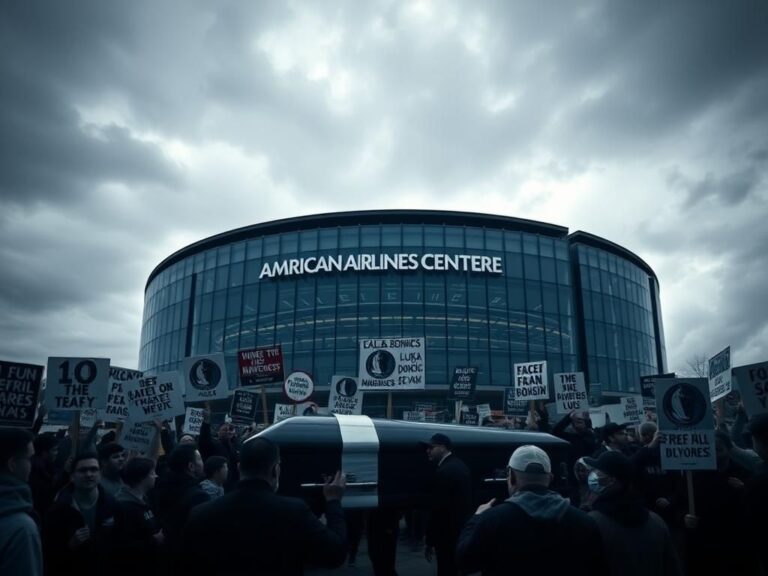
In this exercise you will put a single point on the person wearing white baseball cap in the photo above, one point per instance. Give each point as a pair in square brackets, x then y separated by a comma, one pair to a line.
[534, 531]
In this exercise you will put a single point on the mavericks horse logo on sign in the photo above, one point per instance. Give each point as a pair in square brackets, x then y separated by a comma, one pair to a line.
[205, 374]
[346, 387]
[380, 364]
[684, 405]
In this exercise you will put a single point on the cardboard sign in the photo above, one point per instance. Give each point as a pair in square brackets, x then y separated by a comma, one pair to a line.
[19, 393]
[595, 395]
[205, 377]
[531, 381]
[88, 418]
[76, 383]
[469, 416]
[629, 410]
[154, 397]
[720, 375]
[414, 416]
[193, 421]
[244, 406]
[392, 364]
[753, 384]
[298, 386]
[261, 366]
[345, 396]
[685, 418]
[117, 407]
[284, 411]
[483, 411]
[514, 407]
[138, 436]
[570, 392]
[463, 383]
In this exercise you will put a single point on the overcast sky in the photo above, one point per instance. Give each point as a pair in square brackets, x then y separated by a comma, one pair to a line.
[131, 129]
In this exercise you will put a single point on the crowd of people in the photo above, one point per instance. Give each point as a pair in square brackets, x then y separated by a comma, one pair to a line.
[82, 504]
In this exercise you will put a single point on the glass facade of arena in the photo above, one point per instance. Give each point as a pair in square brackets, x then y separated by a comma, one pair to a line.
[209, 297]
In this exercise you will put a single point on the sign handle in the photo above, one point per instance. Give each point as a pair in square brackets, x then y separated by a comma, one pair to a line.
[458, 410]
[264, 407]
[75, 431]
[691, 501]
[389, 405]
[532, 412]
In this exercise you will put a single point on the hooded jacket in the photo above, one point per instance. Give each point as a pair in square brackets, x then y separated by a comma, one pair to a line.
[20, 550]
[536, 531]
[175, 496]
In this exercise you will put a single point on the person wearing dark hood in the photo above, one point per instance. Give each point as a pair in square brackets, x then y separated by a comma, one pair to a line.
[534, 531]
[636, 541]
[177, 493]
[46, 480]
[20, 548]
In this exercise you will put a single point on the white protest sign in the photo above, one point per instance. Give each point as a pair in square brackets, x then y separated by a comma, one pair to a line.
[414, 416]
[138, 436]
[531, 381]
[632, 409]
[570, 392]
[391, 364]
[345, 396]
[752, 381]
[76, 383]
[299, 386]
[88, 418]
[117, 408]
[283, 411]
[597, 416]
[720, 375]
[193, 420]
[154, 397]
[205, 377]
[306, 409]
[483, 410]
[686, 421]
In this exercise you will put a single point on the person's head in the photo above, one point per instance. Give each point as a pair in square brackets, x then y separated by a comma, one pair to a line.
[581, 471]
[610, 469]
[528, 466]
[86, 473]
[139, 474]
[580, 422]
[216, 469]
[437, 447]
[226, 431]
[260, 458]
[615, 435]
[723, 447]
[112, 458]
[188, 439]
[186, 459]
[47, 447]
[16, 451]
[647, 432]
[758, 428]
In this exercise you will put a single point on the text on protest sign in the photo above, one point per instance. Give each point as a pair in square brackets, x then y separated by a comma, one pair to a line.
[720, 375]
[76, 383]
[244, 406]
[648, 388]
[753, 385]
[531, 381]
[570, 392]
[345, 396]
[298, 386]
[205, 377]
[469, 416]
[193, 421]
[117, 407]
[138, 436]
[284, 411]
[629, 410]
[685, 418]
[154, 397]
[513, 407]
[463, 383]
[261, 366]
[19, 393]
[595, 394]
[392, 364]
[414, 416]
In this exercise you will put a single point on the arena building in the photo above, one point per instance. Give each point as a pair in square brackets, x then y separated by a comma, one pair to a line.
[483, 290]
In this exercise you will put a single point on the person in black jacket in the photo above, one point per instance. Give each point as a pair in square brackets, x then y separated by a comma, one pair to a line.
[756, 495]
[225, 444]
[451, 503]
[253, 530]
[535, 531]
[78, 531]
[576, 428]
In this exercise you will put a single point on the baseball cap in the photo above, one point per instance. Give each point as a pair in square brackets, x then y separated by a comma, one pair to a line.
[530, 459]
[438, 439]
[613, 464]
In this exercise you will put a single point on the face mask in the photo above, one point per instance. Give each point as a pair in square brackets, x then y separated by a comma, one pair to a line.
[594, 483]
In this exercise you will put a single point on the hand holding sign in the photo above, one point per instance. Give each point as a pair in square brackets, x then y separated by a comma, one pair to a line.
[334, 488]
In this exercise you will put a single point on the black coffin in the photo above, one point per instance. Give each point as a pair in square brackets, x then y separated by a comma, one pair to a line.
[385, 463]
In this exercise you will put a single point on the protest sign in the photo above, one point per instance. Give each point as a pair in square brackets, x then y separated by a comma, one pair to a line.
[414, 416]
[463, 383]
[391, 364]
[531, 381]
[648, 388]
[720, 375]
[570, 392]
[424, 406]
[193, 421]
[154, 397]
[88, 418]
[117, 408]
[469, 416]
[306, 409]
[261, 366]
[597, 416]
[244, 406]
[514, 407]
[205, 377]
[595, 394]
[629, 410]
[345, 396]
[752, 381]
[76, 383]
[298, 386]
[283, 411]
[138, 436]
[483, 410]
[19, 393]
[685, 419]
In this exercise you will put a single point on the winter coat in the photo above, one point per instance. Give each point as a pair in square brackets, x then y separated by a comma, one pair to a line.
[20, 548]
[136, 546]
